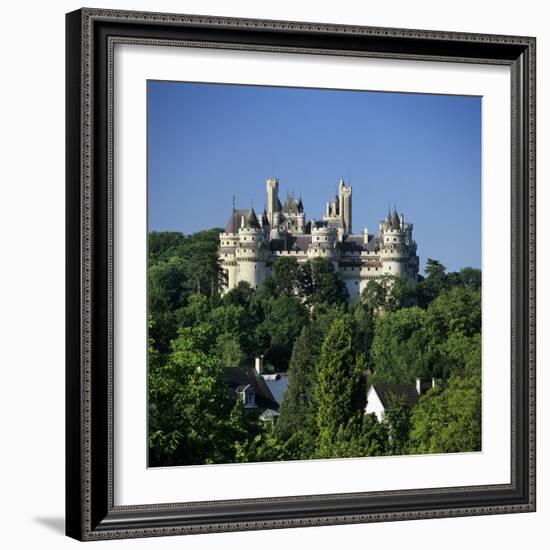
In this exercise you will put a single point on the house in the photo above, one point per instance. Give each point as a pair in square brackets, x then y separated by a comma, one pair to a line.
[378, 396]
[256, 390]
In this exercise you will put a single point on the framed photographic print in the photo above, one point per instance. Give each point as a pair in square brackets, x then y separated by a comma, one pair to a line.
[300, 274]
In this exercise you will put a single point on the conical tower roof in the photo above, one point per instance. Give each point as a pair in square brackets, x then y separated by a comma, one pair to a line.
[395, 223]
[252, 219]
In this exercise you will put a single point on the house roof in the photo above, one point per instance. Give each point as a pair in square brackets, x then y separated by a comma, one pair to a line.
[269, 414]
[277, 384]
[239, 377]
[408, 391]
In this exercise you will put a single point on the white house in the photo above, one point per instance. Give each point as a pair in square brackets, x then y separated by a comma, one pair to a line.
[378, 396]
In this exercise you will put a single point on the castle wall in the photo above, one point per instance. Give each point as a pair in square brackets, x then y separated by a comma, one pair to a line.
[253, 272]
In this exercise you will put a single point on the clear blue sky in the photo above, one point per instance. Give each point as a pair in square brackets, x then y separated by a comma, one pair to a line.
[207, 142]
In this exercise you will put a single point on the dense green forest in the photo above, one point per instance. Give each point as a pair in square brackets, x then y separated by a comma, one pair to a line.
[301, 322]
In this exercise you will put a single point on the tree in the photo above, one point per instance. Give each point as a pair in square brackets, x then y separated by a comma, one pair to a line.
[403, 293]
[167, 285]
[239, 295]
[297, 423]
[433, 284]
[374, 295]
[401, 350]
[448, 420]
[363, 435]
[340, 391]
[163, 245]
[365, 324]
[398, 421]
[285, 317]
[189, 411]
[456, 310]
[298, 403]
[286, 275]
[326, 285]
[459, 355]
[471, 277]
[228, 351]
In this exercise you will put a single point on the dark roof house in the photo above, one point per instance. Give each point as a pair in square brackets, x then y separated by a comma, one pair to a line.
[379, 395]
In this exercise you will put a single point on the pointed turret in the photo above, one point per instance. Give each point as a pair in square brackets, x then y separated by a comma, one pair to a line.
[290, 206]
[252, 219]
[395, 220]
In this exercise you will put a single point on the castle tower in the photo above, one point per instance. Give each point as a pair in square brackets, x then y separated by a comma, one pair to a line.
[323, 240]
[344, 193]
[273, 203]
[229, 242]
[394, 253]
[251, 252]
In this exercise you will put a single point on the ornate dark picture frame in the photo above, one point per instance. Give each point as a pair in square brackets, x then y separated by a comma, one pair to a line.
[90, 510]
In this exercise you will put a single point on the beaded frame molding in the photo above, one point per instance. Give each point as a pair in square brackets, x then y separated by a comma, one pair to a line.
[90, 510]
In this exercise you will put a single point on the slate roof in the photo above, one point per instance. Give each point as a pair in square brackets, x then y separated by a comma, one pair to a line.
[239, 377]
[374, 243]
[277, 384]
[408, 391]
[234, 222]
[289, 242]
[351, 243]
[395, 223]
[252, 219]
[291, 206]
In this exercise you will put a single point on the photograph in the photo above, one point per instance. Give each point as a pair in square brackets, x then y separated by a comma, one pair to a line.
[314, 273]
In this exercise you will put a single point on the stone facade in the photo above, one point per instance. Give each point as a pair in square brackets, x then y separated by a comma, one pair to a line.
[249, 245]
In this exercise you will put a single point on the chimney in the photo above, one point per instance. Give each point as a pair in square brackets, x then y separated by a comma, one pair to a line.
[259, 365]
[418, 385]
[365, 236]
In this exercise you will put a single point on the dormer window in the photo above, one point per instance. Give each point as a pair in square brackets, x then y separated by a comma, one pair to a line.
[247, 395]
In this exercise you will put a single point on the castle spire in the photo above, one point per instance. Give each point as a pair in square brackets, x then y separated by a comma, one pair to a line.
[396, 224]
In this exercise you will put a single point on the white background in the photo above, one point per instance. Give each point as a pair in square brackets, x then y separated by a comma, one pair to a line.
[32, 276]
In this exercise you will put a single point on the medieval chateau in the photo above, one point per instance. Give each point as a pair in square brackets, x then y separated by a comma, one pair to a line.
[249, 245]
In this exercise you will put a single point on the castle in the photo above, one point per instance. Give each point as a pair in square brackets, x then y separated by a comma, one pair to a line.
[249, 245]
